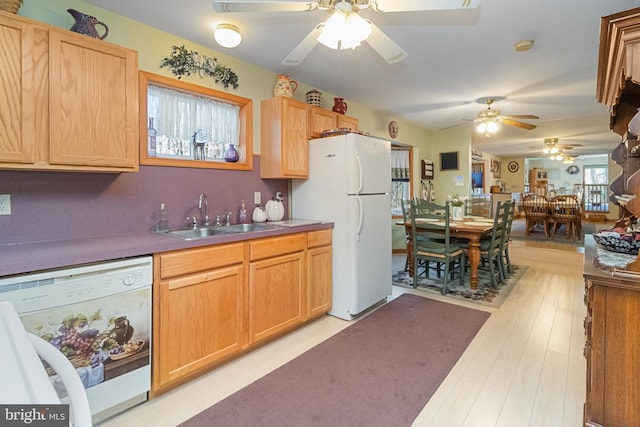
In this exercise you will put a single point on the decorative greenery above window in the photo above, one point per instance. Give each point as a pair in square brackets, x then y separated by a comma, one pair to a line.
[185, 62]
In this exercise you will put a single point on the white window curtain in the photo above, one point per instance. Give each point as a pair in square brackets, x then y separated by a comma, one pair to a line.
[179, 117]
[399, 164]
[400, 177]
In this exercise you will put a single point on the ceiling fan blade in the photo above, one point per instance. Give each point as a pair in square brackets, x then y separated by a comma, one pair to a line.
[232, 6]
[305, 47]
[522, 125]
[423, 5]
[387, 48]
[522, 116]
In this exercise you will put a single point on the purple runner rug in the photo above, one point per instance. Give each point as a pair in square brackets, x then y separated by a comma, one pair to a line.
[380, 371]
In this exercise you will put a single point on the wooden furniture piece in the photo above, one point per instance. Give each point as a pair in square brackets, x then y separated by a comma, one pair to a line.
[71, 101]
[565, 210]
[491, 247]
[612, 295]
[276, 281]
[479, 206]
[286, 125]
[198, 310]
[284, 138]
[321, 120]
[434, 244]
[466, 229]
[612, 347]
[505, 259]
[536, 212]
[215, 302]
[538, 181]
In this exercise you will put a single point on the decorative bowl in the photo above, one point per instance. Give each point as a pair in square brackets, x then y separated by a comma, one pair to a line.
[624, 243]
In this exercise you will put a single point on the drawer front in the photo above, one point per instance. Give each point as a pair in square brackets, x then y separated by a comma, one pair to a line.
[201, 259]
[275, 246]
[318, 238]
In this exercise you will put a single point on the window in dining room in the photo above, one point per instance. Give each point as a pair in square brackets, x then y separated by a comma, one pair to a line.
[401, 167]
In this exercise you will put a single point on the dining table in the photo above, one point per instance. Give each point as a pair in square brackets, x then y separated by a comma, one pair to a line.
[472, 228]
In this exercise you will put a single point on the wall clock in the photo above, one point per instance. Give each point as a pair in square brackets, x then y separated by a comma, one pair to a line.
[572, 170]
[513, 166]
[393, 129]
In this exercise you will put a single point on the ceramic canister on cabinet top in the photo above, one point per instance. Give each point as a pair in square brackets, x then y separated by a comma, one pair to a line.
[284, 86]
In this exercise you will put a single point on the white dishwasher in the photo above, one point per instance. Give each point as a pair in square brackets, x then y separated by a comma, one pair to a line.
[99, 317]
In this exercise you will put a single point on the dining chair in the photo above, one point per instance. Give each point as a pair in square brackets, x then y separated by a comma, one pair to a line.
[565, 210]
[479, 206]
[406, 216]
[491, 247]
[432, 241]
[505, 260]
[536, 212]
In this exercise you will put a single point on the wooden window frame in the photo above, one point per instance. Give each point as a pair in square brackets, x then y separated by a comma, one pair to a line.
[246, 123]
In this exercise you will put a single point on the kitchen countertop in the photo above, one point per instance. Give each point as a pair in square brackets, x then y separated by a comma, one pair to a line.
[30, 257]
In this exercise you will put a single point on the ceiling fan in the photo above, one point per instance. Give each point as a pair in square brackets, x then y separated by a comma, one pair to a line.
[552, 147]
[349, 11]
[488, 120]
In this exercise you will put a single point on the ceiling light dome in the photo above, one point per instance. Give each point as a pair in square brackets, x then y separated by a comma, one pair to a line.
[227, 35]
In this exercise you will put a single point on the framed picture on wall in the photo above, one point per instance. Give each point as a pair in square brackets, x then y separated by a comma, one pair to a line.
[496, 165]
[449, 161]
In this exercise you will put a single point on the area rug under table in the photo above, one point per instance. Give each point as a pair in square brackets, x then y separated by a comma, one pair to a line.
[484, 294]
[380, 371]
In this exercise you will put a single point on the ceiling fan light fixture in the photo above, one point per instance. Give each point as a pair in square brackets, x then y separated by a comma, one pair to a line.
[227, 35]
[344, 29]
[357, 30]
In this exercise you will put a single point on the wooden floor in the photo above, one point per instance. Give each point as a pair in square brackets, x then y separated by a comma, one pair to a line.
[524, 368]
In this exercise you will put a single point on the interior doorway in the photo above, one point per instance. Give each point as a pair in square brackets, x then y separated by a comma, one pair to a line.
[477, 178]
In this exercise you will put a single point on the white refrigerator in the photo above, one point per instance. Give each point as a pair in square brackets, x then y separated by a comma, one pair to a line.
[349, 184]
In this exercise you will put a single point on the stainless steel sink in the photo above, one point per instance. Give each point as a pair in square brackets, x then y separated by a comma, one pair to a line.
[195, 233]
[206, 232]
[245, 228]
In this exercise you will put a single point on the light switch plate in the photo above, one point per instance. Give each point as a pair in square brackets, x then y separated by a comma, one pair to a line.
[257, 199]
[5, 204]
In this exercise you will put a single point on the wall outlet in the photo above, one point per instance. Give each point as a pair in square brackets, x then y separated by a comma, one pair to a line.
[257, 198]
[5, 204]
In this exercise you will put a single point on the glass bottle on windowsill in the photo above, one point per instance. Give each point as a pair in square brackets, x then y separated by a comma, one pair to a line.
[151, 134]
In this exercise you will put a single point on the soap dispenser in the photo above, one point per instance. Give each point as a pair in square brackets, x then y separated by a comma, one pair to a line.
[243, 214]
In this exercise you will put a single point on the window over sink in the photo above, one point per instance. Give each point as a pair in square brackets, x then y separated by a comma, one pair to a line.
[186, 125]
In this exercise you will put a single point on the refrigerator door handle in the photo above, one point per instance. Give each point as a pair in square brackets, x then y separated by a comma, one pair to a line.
[360, 174]
[360, 218]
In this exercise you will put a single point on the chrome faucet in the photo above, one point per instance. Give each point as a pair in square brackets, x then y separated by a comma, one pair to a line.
[204, 216]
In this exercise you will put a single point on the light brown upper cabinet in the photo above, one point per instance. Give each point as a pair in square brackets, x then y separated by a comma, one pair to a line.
[70, 101]
[321, 120]
[284, 138]
[194, 124]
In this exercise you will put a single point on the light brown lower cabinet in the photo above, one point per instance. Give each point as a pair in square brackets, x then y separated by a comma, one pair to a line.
[213, 303]
[319, 272]
[198, 315]
[276, 285]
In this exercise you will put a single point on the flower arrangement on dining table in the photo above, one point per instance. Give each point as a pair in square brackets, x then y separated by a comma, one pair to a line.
[456, 200]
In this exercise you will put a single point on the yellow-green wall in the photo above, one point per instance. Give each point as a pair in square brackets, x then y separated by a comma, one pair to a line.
[254, 82]
[257, 84]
